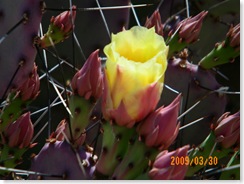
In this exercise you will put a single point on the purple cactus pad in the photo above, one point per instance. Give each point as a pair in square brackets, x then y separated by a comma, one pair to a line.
[195, 84]
[19, 24]
[59, 161]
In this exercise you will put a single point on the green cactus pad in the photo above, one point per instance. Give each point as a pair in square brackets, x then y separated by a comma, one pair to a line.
[135, 162]
[175, 44]
[80, 109]
[206, 155]
[10, 157]
[233, 174]
[221, 54]
[115, 143]
[15, 106]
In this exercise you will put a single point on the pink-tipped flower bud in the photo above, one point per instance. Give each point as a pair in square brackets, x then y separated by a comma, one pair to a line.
[155, 21]
[190, 27]
[19, 133]
[62, 132]
[227, 130]
[88, 81]
[64, 21]
[160, 128]
[163, 169]
[59, 29]
[234, 35]
[30, 88]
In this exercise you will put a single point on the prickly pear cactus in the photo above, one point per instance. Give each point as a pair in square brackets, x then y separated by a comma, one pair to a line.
[19, 26]
[80, 163]
[121, 90]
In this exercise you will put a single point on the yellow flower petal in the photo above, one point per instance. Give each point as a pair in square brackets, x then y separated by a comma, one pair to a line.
[136, 58]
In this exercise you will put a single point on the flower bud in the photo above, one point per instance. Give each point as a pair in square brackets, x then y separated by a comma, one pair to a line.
[20, 132]
[62, 131]
[234, 35]
[88, 81]
[163, 169]
[134, 75]
[160, 128]
[30, 88]
[64, 21]
[155, 21]
[190, 27]
[59, 29]
[227, 130]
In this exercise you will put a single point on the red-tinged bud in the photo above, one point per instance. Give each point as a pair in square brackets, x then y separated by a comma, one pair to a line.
[59, 29]
[160, 128]
[234, 35]
[155, 21]
[190, 27]
[62, 132]
[227, 130]
[64, 21]
[88, 81]
[30, 88]
[20, 132]
[163, 169]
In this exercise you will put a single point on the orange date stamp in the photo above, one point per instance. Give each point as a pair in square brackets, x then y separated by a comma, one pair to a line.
[197, 160]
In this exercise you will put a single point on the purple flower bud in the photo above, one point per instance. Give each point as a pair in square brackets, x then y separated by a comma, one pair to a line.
[30, 88]
[62, 131]
[88, 81]
[163, 169]
[59, 29]
[64, 21]
[20, 132]
[155, 21]
[160, 128]
[227, 130]
[234, 35]
[190, 27]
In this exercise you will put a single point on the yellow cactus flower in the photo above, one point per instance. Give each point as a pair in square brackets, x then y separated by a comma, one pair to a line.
[134, 75]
